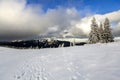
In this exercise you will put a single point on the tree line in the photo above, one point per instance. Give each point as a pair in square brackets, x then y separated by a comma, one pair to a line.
[38, 44]
[100, 33]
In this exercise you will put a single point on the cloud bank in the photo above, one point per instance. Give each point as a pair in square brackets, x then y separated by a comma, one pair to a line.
[19, 21]
[84, 23]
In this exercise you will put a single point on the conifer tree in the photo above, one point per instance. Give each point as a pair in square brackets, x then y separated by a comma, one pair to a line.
[101, 33]
[107, 31]
[94, 34]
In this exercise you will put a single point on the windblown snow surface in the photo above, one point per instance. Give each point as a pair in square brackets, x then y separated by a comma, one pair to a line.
[89, 62]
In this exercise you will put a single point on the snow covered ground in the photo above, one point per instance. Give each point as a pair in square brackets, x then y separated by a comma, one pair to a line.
[89, 62]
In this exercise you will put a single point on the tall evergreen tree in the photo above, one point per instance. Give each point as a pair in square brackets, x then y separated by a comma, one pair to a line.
[107, 31]
[94, 34]
[101, 33]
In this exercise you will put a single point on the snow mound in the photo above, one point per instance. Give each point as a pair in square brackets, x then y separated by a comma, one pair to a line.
[89, 62]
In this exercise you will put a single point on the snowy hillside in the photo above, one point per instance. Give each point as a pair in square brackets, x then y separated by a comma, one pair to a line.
[89, 62]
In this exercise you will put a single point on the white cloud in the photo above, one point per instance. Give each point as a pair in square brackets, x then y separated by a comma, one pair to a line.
[18, 20]
[84, 23]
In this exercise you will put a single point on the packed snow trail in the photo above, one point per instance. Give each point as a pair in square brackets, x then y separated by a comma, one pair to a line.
[89, 62]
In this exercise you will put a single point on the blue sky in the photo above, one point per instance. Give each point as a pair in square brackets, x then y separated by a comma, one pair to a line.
[95, 6]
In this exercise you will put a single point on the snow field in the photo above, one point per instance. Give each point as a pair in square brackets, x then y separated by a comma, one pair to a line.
[89, 62]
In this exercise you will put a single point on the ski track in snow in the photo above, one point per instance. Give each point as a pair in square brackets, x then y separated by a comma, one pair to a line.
[89, 62]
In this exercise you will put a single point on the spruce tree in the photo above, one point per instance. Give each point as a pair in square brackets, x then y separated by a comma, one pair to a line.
[101, 33]
[107, 31]
[94, 34]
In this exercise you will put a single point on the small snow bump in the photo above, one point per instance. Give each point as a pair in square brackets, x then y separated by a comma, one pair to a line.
[71, 63]
[69, 69]
[74, 78]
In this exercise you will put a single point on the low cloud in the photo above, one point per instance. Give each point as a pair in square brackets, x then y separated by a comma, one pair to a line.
[18, 20]
[84, 23]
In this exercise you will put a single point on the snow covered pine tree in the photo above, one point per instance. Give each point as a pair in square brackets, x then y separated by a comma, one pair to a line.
[94, 34]
[107, 31]
[100, 34]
